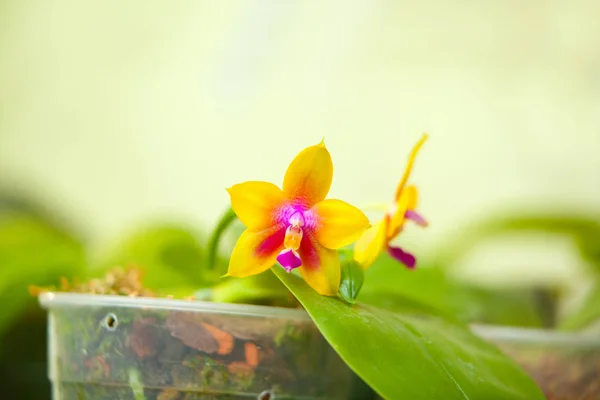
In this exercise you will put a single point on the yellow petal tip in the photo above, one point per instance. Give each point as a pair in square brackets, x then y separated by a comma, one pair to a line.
[322, 142]
[409, 165]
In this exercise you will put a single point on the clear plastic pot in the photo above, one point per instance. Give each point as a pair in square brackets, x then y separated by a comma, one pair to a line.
[566, 366]
[115, 347]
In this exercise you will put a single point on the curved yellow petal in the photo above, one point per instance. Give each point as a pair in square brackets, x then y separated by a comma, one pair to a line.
[255, 203]
[320, 266]
[256, 252]
[338, 223]
[411, 161]
[397, 219]
[308, 178]
[413, 197]
[371, 244]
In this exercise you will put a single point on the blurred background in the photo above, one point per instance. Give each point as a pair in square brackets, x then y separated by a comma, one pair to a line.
[117, 115]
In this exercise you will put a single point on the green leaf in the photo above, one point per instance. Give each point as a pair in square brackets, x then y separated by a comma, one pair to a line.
[351, 281]
[413, 357]
[586, 314]
[391, 286]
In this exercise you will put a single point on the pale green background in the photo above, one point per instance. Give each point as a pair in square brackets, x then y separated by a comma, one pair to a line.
[121, 112]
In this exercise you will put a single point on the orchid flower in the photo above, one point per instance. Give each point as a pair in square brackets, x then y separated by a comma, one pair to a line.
[295, 226]
[378, 237]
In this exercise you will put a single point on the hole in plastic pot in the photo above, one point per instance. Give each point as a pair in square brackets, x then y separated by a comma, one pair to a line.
[110, 322]
[266, 395]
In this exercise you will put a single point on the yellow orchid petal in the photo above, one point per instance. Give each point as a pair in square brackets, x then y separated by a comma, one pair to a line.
[371, 244]
[413, 197]
[338, 223]
[320, 266]
[308, 178]
[256, 252]
[255, 203]
[407, 198]
[411, 161]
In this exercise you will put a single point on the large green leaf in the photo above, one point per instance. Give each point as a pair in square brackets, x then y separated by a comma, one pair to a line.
[586, 314]
[415, 357]
[388, 285]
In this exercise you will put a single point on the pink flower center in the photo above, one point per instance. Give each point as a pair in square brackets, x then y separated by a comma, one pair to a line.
[289, 257]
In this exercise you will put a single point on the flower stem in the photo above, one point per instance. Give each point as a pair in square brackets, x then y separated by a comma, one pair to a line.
[215, 238]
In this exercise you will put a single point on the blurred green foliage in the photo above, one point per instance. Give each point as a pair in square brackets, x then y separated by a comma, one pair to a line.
[588, 313]
[34, 250]
[263, 289]
[170, 255]
[391, 286]
[37, 248]
[583, 231]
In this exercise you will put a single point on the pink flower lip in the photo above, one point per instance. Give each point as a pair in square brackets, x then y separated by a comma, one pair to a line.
[289, 260]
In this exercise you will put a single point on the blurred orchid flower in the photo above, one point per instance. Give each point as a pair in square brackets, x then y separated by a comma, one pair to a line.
[295, 226]
[378, 237]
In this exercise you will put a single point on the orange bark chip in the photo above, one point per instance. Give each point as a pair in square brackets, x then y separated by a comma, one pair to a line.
[251, 352]
[224, 339]
[240, 368]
